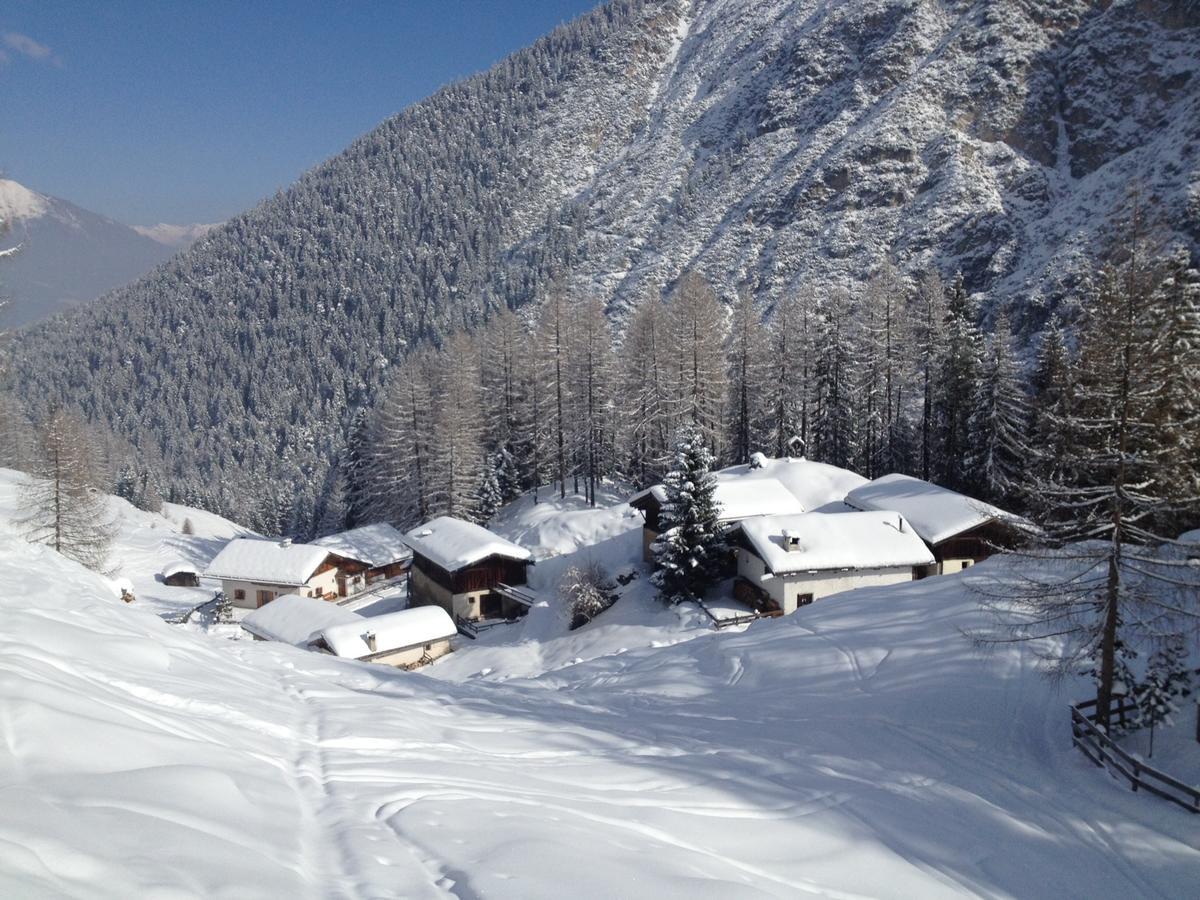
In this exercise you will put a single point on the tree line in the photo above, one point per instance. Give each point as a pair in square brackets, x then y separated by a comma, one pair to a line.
[886, 377]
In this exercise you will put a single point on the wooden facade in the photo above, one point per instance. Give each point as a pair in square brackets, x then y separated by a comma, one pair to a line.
[471, 590]
[978, 543]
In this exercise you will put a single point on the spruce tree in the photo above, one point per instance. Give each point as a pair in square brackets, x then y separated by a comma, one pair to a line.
[957, 386]
[1168, 680]
[688, 552]
[998, 422]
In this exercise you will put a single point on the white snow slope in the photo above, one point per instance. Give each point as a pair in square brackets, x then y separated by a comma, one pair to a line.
[860, 749]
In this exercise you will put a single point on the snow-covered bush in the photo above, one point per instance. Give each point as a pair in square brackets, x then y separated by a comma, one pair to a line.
[586, 592]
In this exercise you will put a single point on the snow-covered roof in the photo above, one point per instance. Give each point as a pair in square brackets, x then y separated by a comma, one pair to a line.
[393, 631]
[293, 619]
[267, 562]
[852, 540]
[454, 544]
[177, 567]
[374, 545]
[772, 487]
[937, 513]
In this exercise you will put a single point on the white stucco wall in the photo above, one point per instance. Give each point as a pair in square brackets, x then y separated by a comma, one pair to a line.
[785, 589]
[950, 566]
[324, 583]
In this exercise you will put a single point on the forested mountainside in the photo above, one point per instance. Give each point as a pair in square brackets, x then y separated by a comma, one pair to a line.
[775, 144]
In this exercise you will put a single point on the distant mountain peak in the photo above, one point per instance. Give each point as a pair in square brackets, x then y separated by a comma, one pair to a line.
[177, 236]
[19, 203]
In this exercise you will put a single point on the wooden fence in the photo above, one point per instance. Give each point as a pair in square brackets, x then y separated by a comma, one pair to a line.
[720, 622]
[1103, 751]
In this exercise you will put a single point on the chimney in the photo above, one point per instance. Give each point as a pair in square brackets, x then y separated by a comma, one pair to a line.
[370, 639]
[286, 542]
[900, 522]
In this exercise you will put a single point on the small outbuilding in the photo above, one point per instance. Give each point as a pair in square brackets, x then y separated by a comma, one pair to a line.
[296, 620]
[181, 574]
[253, 572]
[959, 530]
[373, 552]
[793, 560]
[467, 570]
[406, 639]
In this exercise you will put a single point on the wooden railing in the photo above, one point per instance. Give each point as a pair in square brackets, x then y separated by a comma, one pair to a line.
[1103, 751]
[720, 622]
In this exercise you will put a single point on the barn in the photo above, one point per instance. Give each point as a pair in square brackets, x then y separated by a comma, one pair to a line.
[467, 570]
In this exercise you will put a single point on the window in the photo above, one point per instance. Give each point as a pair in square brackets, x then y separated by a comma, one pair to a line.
[967, 563]
[239, 594]
[803, 600]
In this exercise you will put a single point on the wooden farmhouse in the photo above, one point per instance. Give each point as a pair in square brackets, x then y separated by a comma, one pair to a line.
[466, 570]
[378, 550]
[959, 530]
[794, 560]
[767, 487]
[254, 572]
[405, 639]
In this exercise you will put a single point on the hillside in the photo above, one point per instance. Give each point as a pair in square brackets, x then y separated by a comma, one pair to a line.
[863, 748]
[68, 255]
[779, 143]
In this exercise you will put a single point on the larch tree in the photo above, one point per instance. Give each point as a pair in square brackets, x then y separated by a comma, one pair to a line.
[592, 374]
[645, 392]
[835, 438]
[696, 323]
[791, 334]
[457, 456]
[1104, 585]
[552, 342]
[928, 322]
[61, 504]
[748, 353]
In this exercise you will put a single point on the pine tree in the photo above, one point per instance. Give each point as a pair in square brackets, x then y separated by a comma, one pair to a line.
[998, 423]
[688, 552]
[747, 350]
[61, 505]
[1051, 424]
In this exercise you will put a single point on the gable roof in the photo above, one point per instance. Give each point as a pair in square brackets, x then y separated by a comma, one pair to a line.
[454, 544]
[772, 487]
[937, 513]
[393, 631]
[374, 545]
[267, 562]
[292, 619]
[850, 540]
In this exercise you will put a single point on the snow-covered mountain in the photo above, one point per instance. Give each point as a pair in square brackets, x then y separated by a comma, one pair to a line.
[69, 255]
[775, 143]
[174, 235]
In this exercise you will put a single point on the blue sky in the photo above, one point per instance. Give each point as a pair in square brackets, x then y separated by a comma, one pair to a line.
[193, 111]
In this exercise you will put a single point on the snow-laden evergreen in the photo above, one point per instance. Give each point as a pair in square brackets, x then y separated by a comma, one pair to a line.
[688, 551]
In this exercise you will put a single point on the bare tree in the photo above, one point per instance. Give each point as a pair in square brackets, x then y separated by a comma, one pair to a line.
[61, 505]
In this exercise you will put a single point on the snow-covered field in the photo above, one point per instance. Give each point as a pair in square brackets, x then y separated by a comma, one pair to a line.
[861, 748]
